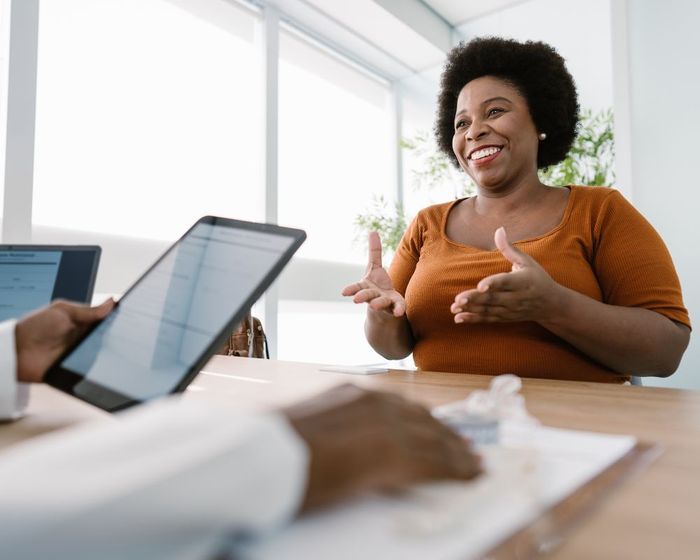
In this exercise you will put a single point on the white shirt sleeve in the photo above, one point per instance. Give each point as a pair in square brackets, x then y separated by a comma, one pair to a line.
[165, 480]
[14, 396]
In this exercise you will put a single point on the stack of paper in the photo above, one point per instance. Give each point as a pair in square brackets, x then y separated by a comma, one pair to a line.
[526, 474]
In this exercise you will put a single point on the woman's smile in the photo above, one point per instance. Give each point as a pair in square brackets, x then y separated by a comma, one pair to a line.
[484, 155]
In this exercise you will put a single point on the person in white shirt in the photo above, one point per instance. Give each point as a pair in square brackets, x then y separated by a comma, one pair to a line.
[171, 479]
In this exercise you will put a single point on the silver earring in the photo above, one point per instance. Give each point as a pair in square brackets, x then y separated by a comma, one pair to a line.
[542, 136]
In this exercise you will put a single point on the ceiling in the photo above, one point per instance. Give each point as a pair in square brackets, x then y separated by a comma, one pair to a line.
[397, 39]
[457, 12]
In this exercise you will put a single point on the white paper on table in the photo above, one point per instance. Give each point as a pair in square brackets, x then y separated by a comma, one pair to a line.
[355, 370]
[526, 474]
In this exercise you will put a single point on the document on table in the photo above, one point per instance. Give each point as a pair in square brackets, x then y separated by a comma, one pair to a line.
[356, 370]
[526, 474]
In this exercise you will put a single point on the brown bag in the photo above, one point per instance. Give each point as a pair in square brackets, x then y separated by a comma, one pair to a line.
[247, 340]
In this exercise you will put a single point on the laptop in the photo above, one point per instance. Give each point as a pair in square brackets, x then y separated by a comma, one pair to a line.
[32, 276]
[175, 317]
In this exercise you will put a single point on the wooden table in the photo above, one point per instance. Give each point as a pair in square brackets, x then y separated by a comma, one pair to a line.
[654, 514]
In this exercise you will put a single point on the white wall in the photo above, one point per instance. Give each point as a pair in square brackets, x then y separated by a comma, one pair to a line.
[663, 45]
[578, 29]
[124, 259]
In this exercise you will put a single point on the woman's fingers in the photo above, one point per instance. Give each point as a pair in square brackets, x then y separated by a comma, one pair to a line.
[375, 250]
[490, 315]
[360, 290]
[506, 308]
[378, 298]
[491, 306]
[351, 289]
[399, 307]
[505, 281]
[381, 301]
[513, 254]
[366, 295]
[477, 302]
[498, 283]
[376, 282]
[385, 302]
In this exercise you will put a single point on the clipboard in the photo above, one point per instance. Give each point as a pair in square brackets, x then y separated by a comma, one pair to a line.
[498, 518]
[550, 530]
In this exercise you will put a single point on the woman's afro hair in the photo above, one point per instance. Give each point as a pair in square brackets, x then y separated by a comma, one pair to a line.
[535, 69]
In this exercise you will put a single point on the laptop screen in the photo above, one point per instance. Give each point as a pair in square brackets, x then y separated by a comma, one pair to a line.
[31, 276]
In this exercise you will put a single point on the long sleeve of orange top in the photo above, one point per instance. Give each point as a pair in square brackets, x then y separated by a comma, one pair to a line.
[602, 248]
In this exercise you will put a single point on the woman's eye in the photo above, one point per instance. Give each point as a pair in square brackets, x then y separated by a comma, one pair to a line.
[494, 111]
[461, 124]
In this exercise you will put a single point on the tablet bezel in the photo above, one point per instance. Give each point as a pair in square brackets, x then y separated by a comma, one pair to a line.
[110, 399]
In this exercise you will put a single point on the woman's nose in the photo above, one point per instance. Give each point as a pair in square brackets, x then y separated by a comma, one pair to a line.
[475, 131]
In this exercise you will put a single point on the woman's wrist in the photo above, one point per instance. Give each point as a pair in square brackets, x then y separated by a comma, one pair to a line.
[558, 307]
[388, 335]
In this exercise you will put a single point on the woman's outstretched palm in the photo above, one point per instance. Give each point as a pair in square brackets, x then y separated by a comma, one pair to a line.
[376, 288]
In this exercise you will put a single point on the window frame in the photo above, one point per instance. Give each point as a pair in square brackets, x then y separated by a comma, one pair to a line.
[17, 224]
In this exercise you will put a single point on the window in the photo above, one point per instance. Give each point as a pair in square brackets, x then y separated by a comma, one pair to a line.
[336, 149]
[335, 145]
[324, 332]
[148, 114]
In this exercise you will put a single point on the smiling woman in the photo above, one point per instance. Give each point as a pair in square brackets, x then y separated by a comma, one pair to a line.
[580, 287]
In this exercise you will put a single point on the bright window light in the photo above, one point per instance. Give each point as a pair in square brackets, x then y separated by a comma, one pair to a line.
[324, 332]
[336, 148]
[149, 115]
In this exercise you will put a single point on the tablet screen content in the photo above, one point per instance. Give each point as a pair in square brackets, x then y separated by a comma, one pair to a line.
[169, 319]
[32, 276]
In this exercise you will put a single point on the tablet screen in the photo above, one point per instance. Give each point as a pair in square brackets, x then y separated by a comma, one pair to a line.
[174, 314]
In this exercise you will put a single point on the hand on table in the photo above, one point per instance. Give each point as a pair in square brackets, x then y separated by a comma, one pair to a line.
[44, 335]
[376, 288]
[364, 440]
[526, 293]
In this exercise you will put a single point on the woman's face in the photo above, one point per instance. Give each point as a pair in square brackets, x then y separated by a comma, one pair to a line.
[495, 140]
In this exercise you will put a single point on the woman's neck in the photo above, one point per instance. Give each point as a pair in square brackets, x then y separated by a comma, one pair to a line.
[514, 198]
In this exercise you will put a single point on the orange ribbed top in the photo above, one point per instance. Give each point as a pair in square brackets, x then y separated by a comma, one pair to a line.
[602, 248]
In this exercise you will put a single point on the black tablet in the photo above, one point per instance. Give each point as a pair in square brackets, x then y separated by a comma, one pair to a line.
[168, 324]
[32, 276]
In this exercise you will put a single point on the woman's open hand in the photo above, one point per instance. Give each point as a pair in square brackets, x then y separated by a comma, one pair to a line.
[376, 288]
[526, 293]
